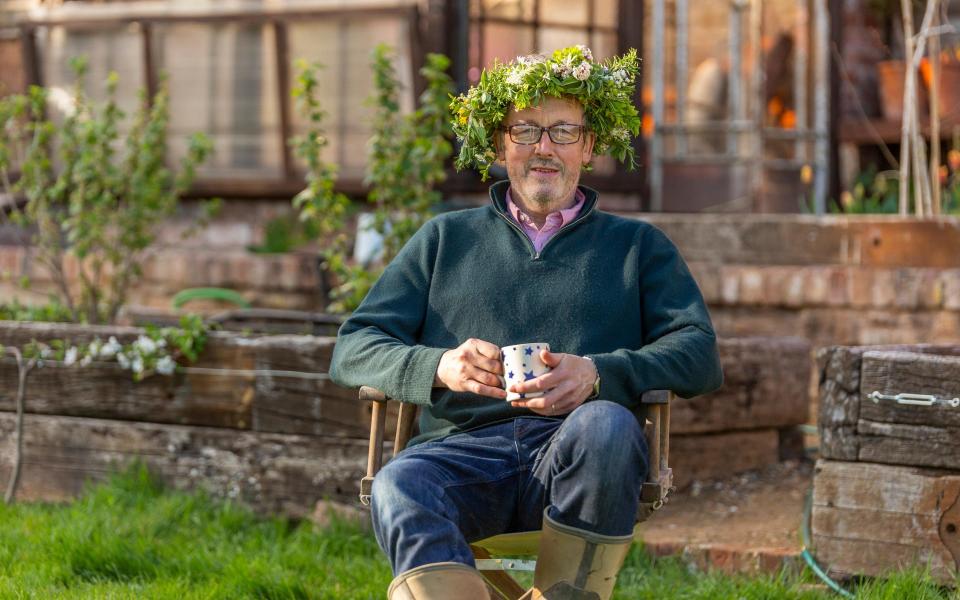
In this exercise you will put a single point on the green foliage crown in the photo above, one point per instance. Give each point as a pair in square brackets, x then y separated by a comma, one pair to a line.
[605, 89]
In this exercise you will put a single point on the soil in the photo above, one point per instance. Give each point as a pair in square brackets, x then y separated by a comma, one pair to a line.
[757, 510]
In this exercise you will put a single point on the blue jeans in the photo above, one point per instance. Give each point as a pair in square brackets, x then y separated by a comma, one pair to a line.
[435, 498]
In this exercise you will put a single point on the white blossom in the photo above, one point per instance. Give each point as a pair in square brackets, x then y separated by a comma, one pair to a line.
[86, 360]
[45, 352]
[620, 76]
[587, 54]
[620, 133]
[94, 348]
[582, 71]
[137, 364]
[71, 356]
[145, 345]
[123, 360]
[111, 348]
[166, 365]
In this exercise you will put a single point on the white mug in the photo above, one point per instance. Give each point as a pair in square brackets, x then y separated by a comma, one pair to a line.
[521, 362]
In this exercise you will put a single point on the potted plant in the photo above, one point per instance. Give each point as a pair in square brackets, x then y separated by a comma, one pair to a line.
[948, 90]
[891, 73]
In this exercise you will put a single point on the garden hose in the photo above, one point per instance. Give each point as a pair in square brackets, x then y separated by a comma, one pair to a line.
[805, 552]
[209, 293]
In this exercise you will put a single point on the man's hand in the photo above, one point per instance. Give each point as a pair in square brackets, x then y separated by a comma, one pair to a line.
[570, 383]
[473, 366]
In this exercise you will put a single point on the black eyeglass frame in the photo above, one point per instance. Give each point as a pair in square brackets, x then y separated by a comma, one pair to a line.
[549, 130]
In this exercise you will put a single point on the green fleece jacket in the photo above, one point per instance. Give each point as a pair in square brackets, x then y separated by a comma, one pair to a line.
[613, 289]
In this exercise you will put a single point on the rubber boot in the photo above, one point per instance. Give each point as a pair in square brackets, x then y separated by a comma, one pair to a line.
[439, 581]
[575, 564]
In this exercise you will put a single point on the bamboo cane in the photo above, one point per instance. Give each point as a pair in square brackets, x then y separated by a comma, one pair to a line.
[934, 55]
[908, 98]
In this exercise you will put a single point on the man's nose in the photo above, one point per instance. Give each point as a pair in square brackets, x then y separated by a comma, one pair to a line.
[545, 146]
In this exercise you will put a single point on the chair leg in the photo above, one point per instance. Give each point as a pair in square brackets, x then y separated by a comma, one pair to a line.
[506, 585]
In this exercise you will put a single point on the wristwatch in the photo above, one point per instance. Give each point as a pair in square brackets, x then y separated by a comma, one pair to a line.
[596, 382]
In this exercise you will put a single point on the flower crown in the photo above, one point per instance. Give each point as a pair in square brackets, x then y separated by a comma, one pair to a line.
[605, 89]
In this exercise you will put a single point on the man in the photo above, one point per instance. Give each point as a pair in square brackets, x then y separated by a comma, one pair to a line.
[611, 296]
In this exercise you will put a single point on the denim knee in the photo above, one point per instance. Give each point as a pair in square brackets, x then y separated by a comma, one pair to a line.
[611, 433]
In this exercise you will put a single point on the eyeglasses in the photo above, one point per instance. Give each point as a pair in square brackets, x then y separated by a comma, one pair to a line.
[561, 133]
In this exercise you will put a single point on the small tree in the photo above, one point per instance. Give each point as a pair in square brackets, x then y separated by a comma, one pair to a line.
[100, 208]
[407, 160]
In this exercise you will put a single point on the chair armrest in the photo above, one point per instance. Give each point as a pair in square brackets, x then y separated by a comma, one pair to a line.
[370, 394]
[405, 423]
[659, 476]
[656, 397]
[378, 417]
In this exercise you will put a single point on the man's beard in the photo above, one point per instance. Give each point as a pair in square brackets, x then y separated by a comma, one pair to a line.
[545, 196]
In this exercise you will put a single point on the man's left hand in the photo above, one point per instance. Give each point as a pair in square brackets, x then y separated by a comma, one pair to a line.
[569, 383]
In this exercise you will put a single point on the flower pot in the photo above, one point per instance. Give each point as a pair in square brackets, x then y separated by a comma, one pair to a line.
[891, 76]
[948, 92]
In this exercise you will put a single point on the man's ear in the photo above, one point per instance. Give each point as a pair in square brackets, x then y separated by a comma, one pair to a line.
[589, 139]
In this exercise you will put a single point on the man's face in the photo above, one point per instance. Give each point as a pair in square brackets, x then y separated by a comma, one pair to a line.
[544, 176]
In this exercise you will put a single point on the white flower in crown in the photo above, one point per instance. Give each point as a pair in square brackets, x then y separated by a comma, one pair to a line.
[582, 71]
[587, 54]
[515, 77]
[564, 67]
[620, 134]
[531, 59]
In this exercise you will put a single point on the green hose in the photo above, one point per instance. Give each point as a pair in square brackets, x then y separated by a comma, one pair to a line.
[808, 557]
[209, 293]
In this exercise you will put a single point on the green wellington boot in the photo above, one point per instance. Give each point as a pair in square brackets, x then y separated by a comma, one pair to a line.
[439, 581]
[575, 564]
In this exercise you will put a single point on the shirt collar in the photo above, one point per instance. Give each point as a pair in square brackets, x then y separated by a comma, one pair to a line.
[566, 214]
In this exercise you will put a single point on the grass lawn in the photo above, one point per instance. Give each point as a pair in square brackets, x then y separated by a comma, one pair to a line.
[129, 538]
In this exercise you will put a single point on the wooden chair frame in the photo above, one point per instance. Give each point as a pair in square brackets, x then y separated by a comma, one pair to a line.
[654, 410]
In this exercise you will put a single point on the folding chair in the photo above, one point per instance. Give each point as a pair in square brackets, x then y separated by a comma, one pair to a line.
[511, 551]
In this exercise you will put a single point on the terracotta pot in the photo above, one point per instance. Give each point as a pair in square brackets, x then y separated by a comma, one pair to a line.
[890, 74]
[948, 94]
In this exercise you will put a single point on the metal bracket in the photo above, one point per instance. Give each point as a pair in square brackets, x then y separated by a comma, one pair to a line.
[505, 564]
[915, 399]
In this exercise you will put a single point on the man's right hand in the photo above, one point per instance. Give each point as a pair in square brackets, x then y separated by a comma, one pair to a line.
[473, 366]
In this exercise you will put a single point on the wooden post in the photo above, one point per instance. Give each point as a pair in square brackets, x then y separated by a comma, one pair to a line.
[417, 55]
[31, 66]
[282, 52]
[149, 67]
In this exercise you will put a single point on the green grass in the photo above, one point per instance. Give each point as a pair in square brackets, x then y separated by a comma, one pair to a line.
[129, 538]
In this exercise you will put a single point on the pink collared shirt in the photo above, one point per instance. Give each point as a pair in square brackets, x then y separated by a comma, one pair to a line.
[551, 226]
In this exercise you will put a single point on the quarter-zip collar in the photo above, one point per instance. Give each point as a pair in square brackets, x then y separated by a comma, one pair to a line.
[498, 197]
